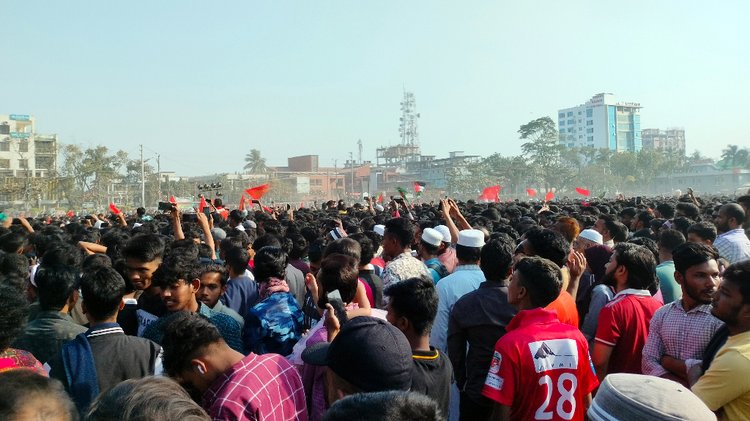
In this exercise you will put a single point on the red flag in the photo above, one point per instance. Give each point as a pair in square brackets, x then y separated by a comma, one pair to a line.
[380, 198]
[242, 203]
[419, 186]
[202, 204]
[172, 199]
[549, 196]
[113, 208]
[267, 209]
[258, 191]
[490, 194]
[581, 190]
[70, 214]
[531, 192]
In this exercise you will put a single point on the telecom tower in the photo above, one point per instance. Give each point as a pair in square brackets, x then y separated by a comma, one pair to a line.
[408, 126]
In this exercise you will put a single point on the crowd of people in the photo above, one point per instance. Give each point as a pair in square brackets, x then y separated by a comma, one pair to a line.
[603, 309]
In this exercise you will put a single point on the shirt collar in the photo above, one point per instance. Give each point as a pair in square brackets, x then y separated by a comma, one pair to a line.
[104, 329]
[633, 291]
[732, 232]
[703, 308]
[532, 317]
[467, 267]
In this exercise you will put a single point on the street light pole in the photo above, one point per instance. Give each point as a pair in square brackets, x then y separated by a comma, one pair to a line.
[143, 179]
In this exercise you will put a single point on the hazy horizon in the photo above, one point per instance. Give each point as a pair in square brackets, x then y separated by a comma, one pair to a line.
[203, 85]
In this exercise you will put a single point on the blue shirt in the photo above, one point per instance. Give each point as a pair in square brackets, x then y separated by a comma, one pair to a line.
[228, 327]
[463, 280]
[273, 325]
[241, 295]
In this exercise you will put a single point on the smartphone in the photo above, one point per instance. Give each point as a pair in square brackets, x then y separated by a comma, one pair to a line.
[256, 201]
[164, 206]
[334, 298]
[638, 200]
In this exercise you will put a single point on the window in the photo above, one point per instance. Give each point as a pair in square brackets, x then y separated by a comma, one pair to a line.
[562, 122]
[571, 129]
[23, 164]
[590, 122]
[4, 163]
[579, 113]
[590, 130]
[570, 113]
[589, 112]
[4, 146]
[45, 162]
[23, 146]
[590, 138]
[579, 120]
[561, 115]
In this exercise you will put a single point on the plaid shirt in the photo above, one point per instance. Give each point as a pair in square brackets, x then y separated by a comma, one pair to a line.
[678, 334]
[258, 388]
[733, 245]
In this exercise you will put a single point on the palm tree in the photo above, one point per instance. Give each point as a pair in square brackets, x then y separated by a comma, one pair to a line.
[729, 156]
[254, 163]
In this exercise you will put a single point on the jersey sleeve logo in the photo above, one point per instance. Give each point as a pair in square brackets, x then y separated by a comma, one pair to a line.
[554, 354]
[497, 358]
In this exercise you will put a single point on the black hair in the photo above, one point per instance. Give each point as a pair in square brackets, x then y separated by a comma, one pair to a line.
[270, 262]
[549, 244]
[645, 217]
[102, 289]
[385, 406]
[345, 246]
[689, 210]
[175, 267]
[739, 274]
[55, 284]
[367, 249]
[666, 210]
[704, 230]
[688, 255]
[417, 300]
[266, 240]
[12, 242]
[640, 263]
[617, 230]
[237, 259]
[734, 211]
[95, 260]
[542, 279]
[431, 248]
[35, 396]
[628, 212]
[299, 246]
[670, 239]
[62, 254]
[205, 268]
[338, 272]
[15, 314]
[12, 264]
[185, 335]
[497, 259]
[402, 230]
[144, 248]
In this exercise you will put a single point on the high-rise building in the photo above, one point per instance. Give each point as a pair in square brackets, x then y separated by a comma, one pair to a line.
[672, 139]
[601, 123]
[23, 152]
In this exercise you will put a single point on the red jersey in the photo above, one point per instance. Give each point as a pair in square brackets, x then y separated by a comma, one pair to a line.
[541, 369]
[623, 325]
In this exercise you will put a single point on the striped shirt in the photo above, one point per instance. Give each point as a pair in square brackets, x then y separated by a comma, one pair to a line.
[679, 334]
[258, 388]
[733, 245]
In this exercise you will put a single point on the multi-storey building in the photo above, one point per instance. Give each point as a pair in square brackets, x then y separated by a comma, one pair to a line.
[28, 160]
[672, 139]
[601, 123]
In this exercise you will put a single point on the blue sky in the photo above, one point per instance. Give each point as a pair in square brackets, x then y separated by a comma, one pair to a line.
[201, 83]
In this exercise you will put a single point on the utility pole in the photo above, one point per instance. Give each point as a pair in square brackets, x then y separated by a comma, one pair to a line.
[143, 179]
[351, 161]
[158, 172]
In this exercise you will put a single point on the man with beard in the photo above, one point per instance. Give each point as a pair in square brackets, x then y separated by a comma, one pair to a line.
[623, 323]
[732, 242]
[670, 352]
[724, 386]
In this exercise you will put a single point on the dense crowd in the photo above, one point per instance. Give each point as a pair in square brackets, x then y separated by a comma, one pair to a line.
[602, 309]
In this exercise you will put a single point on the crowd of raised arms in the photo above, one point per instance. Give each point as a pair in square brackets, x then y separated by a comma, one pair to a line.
[626, 309]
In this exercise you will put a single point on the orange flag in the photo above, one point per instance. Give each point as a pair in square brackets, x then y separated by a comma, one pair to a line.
[258, 191]
[242, 203]
[113, 208]
[549, 196]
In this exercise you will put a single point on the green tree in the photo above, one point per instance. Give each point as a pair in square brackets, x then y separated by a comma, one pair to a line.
[543, 150]
[87, 174]
[254, 163]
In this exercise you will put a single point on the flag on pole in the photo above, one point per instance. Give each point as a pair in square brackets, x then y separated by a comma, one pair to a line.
[172, 199]
[202, 204]
[113, 208]
[531, 192]
[380, 198]
[549, 196]
[242, 203]
[490, 194]
[258, 191]
[582, 191]
[419, 186]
